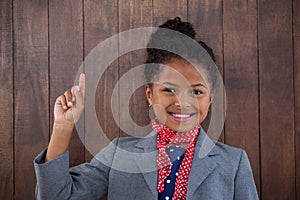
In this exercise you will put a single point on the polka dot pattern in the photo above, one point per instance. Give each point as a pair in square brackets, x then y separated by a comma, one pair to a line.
[169, 187]
[166, 136]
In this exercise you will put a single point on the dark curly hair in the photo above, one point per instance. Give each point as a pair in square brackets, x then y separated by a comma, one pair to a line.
[156, 57]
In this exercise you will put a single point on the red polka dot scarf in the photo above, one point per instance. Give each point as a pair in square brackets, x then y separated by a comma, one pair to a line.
[164, 137]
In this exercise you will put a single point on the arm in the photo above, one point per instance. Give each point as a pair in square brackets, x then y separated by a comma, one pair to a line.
[54, 179]
[244, 185]
[67, 110]
[86, 181]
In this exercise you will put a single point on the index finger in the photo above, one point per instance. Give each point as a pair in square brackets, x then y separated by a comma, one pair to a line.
[82, 83]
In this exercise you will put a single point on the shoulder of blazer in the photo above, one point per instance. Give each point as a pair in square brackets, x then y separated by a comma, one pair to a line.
[227, 157]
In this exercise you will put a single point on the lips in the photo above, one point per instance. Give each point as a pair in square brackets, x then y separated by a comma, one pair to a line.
[181, 117]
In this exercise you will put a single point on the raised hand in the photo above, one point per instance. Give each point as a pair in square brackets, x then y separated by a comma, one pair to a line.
[68, 106]
[67, 110]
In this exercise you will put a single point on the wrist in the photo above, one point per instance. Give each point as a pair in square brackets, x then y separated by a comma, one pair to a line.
[60, 140]
[62, 130]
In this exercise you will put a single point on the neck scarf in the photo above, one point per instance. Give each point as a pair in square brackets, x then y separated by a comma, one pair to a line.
[164, 137]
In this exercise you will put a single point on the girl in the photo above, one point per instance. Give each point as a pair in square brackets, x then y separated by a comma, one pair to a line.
[180, 97]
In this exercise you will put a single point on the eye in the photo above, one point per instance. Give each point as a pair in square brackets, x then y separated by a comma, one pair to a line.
[197, 92]
[169, 90]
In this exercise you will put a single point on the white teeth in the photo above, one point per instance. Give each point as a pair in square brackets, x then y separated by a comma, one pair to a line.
[181, 115]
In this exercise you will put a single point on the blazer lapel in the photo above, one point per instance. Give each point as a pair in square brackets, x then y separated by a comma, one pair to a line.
[202, 164]
[147, 161]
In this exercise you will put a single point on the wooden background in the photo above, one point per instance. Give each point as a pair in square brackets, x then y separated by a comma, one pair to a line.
[256, 42]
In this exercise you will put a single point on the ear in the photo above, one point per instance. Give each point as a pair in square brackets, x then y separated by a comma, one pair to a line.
[211, 98]
[148, 92]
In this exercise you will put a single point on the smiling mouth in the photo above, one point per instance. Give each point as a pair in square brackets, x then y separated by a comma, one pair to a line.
[180, 117]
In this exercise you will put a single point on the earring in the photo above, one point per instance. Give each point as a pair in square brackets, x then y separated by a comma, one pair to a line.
[151, 112]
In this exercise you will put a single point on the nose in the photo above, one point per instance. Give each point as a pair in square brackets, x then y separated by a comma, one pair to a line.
[182, 104]
[183, 101]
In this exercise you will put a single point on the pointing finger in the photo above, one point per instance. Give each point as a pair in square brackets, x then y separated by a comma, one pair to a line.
[82, 83]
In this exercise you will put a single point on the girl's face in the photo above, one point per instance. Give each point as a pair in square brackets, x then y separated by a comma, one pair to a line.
[180, 96]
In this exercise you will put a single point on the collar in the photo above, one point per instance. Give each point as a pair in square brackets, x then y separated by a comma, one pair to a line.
[202, 164]
[204, 146]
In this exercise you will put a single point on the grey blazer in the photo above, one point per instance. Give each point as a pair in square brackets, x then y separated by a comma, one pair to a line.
[126, 169]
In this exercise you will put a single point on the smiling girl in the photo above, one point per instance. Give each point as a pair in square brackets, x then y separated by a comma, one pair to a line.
[180, 97]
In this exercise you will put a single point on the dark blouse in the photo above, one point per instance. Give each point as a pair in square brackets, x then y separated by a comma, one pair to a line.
[176, 155]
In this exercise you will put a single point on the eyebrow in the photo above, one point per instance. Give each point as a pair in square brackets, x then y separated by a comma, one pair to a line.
[173, 84]
[199, 84]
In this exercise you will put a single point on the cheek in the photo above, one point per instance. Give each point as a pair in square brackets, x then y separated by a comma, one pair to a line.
[204, 106]
[160, 112]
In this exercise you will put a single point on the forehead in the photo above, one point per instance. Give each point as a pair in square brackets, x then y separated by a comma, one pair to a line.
[178, 70]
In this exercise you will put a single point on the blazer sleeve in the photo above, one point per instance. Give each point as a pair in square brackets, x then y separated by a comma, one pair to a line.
[86, 181]
[244, 185]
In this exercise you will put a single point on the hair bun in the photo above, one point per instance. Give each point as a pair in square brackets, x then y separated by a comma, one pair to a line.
[177, 19]
[177, 25]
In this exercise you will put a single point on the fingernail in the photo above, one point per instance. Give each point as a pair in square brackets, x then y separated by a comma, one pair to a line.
[65, 107]
[73, 98]
[70, 104]
[78, 88]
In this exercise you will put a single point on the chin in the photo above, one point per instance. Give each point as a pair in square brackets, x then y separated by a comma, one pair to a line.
[183, 127]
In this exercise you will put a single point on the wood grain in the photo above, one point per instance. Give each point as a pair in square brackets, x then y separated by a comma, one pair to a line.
[168, 9]
[277, 131]
[207, 19]
[262, 76]
[134, 14]
[31, 90]
[296, 28]
[241, 66]
[100, 23]
[6, 102]
[66, 55]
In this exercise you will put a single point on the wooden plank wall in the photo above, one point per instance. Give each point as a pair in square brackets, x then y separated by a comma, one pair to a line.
[275, 39]
[296, 33]
[65, 55]
[257, 46]
[31, 90]
[241, 66]
[6, 102]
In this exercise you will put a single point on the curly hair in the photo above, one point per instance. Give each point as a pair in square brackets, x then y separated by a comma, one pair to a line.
[156, 57]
